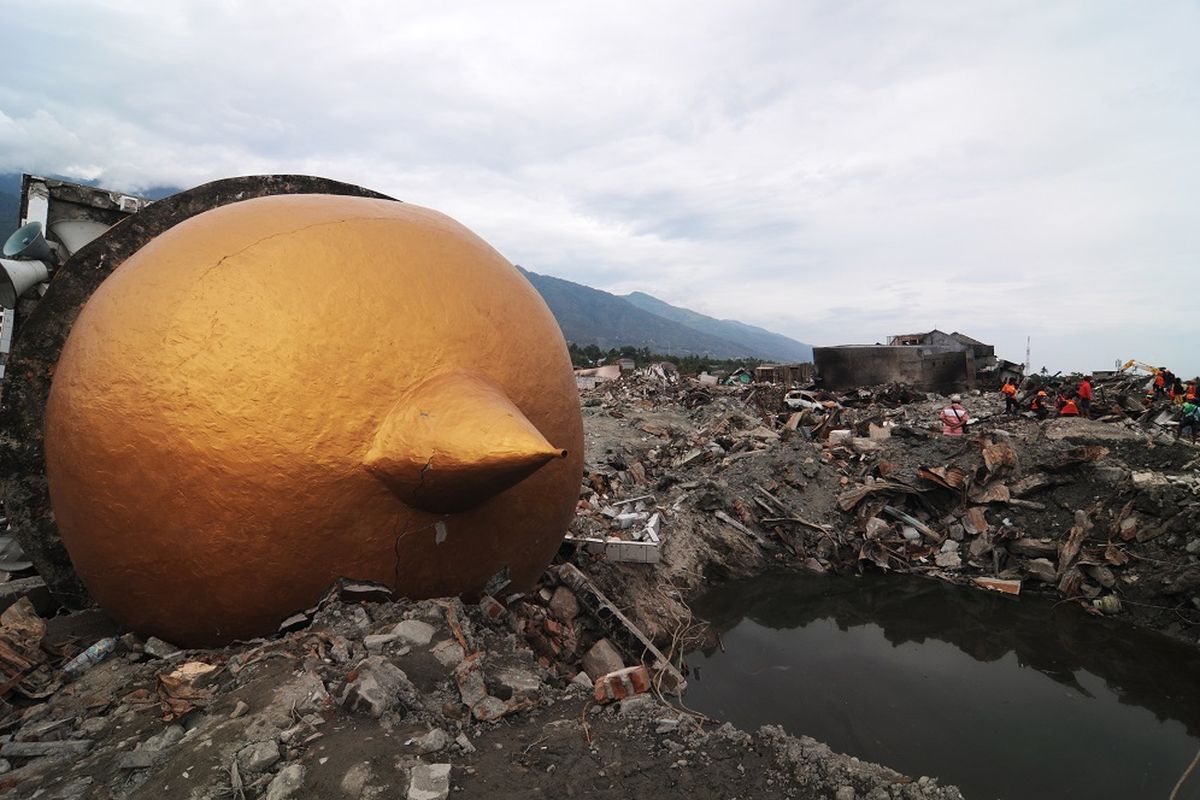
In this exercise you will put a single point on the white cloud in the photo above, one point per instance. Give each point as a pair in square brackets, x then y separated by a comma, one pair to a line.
[837, 171]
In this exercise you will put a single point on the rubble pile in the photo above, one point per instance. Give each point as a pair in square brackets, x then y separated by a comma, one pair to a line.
[1097, 511]
[391, 699]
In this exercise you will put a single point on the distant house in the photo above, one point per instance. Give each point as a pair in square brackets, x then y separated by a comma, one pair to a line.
[786, 374]
[936, 341]
[589, 378]
[626, 364]
[740, 375]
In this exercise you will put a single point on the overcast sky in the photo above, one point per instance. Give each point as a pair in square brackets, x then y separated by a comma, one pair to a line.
[836, 171]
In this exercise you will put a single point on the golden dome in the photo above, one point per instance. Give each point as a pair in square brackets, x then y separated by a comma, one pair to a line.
[285, 391]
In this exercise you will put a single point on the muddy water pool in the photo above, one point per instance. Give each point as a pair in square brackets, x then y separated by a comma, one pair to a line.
[1005, 697]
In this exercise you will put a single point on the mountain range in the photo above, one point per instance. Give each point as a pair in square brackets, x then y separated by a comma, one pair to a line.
[591, 316]
[586, 315]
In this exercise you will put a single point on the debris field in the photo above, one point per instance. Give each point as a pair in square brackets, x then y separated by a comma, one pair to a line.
[577, 687]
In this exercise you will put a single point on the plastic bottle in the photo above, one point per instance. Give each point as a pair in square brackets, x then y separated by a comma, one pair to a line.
[93, 655]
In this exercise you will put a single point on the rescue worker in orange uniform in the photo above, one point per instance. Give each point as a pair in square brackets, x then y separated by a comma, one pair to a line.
[1038, 404]
[954, 417]
[1009, 390]
[1085, 396]
[1160, 382]
[1068, 407]
[1189, 393]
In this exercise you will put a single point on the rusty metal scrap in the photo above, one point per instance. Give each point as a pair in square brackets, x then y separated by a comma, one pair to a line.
[1070, 548]
[850, 498]
[23, 664]
[180, 690]
[997, 456]
[995, 492]
[953, 478]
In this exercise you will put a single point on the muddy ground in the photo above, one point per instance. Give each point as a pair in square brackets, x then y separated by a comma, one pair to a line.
[381, 698]
[394, 700]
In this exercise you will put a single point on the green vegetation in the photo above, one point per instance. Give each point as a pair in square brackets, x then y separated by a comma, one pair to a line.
[592, 356]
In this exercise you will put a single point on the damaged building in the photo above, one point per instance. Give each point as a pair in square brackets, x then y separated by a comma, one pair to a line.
[73, 215]
[784, 373]
[932, 361]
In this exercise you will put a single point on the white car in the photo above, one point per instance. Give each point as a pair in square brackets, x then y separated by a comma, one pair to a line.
[798, 398]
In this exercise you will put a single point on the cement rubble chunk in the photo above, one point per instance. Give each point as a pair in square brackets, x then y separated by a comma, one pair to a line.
[380, 686]
[448, 653]
[518, 682]
[1042, 569]
[602, 659]
[376, 642]
[258, 757]
[286, 783]
[356, 779]
[948, 560]
[157, 648]
[564, 604]
[305, 693]
[429, 782]
[489, 709]
[471, 685]
[877, 528]
[431, 742]
[165, 738]
[414, 632]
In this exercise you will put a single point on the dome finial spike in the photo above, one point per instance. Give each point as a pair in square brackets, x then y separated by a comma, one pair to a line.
[453, 442]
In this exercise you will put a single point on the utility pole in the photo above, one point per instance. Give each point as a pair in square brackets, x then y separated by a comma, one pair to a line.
[1027, 361]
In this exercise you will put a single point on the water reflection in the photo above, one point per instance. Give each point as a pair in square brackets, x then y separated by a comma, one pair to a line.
[1004, 697]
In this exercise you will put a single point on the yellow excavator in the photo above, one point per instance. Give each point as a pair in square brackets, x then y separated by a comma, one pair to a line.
[1142, 365]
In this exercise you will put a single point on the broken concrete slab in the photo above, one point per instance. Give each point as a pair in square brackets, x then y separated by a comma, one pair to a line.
[429, 782]
[378, 687]
[414, 632]
[258, 757]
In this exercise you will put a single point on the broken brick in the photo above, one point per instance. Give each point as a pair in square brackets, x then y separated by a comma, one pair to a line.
[621, 684]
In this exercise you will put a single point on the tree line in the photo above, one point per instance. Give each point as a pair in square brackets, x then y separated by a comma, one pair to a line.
[592, 356]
